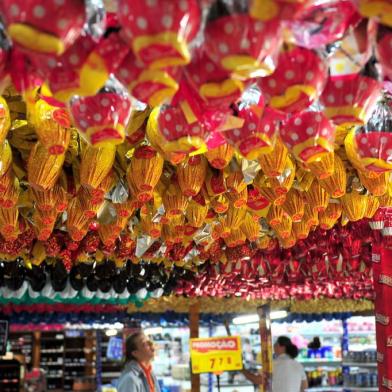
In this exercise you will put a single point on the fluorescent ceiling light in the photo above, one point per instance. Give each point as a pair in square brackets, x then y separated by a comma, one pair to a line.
[248, 319]
[254, 318]
[153, 331]
[278, 314]
[111, 332]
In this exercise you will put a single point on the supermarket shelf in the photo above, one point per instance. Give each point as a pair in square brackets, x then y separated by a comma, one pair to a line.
[360, 364]
[354, 389]
[50, 351]
[321, 362]
[325, 389]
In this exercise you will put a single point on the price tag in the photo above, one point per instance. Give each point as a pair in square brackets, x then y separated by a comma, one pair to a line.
[216, 355]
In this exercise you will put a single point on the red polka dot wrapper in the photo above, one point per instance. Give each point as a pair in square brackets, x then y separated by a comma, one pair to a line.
[159, 31]
[350, 99]
[152, 86]
[374, 140]
[322, 23]
[168, 128]
[297, 81]
[85, 67]
[257, 134]
[212, 83]
[101, 119]
[240, 44]
[309, 135]
[48, 27]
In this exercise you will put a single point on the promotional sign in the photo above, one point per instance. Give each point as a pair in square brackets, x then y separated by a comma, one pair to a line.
[216, 355]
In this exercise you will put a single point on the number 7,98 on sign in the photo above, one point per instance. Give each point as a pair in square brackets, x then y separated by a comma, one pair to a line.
[215, 355]
[218, 362]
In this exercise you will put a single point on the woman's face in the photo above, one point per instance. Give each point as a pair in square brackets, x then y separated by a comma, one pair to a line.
[278, 349]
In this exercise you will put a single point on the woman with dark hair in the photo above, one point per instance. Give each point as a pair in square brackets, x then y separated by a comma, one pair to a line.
[288, 375]
[137, 375]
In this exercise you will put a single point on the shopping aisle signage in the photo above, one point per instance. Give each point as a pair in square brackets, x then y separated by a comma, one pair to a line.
[216, 355]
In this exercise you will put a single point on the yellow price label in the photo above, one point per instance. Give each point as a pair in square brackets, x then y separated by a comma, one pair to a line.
[216, 355]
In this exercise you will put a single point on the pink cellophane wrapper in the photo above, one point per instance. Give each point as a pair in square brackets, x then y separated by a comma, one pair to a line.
[323, 22]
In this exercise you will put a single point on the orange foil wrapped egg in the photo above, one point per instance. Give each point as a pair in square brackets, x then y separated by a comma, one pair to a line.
[372, 205]
[54, 198]
[234, 218]
[236, 238]
[336, 184]
[96, 163]
[9, 198]
[174, 201]
[253, 51]
[101, 119]
[144, 172]
[220, 157]
[295, 205]
[150, 226]
[301, 229]
[323, 167]
[9, 222]
[159, 32]
[52, 124]
[283, 183]
[196, 211]
[354, 205]
[43, 27]
[77, 222]
[330, 216]
[283, 228]
[310, 216]
[309, 135]
[191, 175]
[274, 163]
[5, 119]
[5, 157]
[297, 82]
[89, 205]
[43, 168]
[317, 197]
[251, 228]
[375, 183]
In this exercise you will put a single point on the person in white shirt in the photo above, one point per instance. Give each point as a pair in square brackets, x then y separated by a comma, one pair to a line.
[288, 375]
